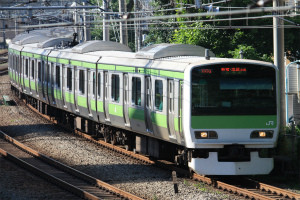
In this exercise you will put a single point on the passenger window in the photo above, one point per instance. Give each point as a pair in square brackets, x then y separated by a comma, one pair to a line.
[26, 67]
[94, 83]
[99, 85]
[69, 79]
[57, 73]
[136, 91]
[39, 71]
[159, 95]
[32, 69]
[81, 81]
[115, 88]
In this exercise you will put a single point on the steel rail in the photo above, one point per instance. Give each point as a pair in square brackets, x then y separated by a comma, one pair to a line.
[172, 167]
[65, 168]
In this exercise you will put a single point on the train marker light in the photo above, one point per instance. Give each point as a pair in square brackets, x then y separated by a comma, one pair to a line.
[206, 135]
[203, 134]
[262, 134]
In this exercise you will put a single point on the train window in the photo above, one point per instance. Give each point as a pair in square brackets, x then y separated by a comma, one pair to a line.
[136, 91]
[94, 83]
[39, 71]
[26, 67]
[99, 85]
[115, 88]
[69, 79]
[233, 89]
[159, 95]
[81, 81]
[57, 73]
[49, 73]
[32, 69]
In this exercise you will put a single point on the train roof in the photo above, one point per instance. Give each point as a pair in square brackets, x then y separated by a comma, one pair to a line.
[176, 57]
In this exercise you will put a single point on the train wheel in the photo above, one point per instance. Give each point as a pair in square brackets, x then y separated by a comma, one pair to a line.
[113, 139]
[106, 136]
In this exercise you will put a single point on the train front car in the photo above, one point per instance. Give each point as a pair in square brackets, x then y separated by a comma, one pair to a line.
[232, 117]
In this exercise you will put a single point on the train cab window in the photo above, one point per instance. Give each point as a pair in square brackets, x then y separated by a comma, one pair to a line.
[136, 91]
[39, 71]
[115, 88]
[32, 69]
[99, 85]
[81, 81]
[57, 73]
[69, 79]
[26, 67]
[159, 95]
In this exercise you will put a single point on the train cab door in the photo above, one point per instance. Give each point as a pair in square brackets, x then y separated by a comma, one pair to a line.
[171, 109]
[126, 101]
[106, 96]
[148, 104]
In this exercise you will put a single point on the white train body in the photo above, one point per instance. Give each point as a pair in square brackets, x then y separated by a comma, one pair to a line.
[218, 114]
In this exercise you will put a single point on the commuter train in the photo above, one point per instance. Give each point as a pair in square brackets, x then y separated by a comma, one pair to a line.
[217, 116]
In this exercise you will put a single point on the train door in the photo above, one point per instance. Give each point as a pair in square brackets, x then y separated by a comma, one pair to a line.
[91, 91]
[171, 108]
[75, 86]
[106, 96]
[126, 101]
[180, 102]
[148, 104]
[44, 82]
[32, 77]
[63, 84]
[52, 83]
[21, 72]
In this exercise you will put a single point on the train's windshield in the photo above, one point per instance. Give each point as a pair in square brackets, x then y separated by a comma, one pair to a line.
[233, 89]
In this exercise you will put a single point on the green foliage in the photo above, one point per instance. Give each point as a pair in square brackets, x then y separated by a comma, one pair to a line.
[289, 130]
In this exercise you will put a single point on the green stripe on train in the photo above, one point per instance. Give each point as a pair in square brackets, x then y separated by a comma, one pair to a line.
[32, 85]
[26, 82]
[82, 101]
[69, 97]
[136, 114]
[115, 109]
[229, 122]
[58, 94]
[159, 119]
[176, 124]
[99, 105]
[83, 64]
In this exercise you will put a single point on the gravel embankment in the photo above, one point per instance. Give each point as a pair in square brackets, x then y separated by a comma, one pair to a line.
[145, 181]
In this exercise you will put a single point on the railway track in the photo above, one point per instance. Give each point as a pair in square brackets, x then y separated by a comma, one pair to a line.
[245, 187]
[59, 174]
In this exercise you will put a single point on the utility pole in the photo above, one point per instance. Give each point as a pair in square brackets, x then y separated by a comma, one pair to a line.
[105, 24]
[278, 40]
[86, 30]
[137, 28]
[123, 24]
[76, 21]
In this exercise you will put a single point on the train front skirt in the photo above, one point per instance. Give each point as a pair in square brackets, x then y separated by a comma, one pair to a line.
[211, 165]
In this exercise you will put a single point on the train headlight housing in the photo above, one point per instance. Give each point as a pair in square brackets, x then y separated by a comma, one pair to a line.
[206, 135]
[261, 134]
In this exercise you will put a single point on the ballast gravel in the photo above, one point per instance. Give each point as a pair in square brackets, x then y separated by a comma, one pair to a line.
[143, 180]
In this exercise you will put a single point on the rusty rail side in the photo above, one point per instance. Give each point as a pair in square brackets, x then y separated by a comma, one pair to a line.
[71, 188]
[172, 167]
[278, 191]
[70, 170]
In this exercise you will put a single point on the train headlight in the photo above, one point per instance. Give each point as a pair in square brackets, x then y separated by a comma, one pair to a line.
[262, 134]
[206, 135]
[203, 134]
